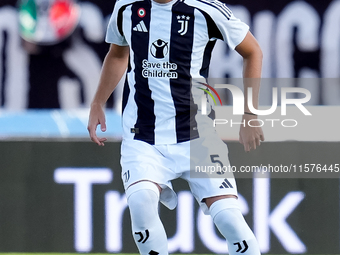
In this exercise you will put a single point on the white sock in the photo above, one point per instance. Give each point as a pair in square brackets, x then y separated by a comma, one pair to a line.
[147, 228]
[230, 222]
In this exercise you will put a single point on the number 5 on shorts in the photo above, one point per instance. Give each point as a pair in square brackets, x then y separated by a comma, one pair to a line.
[214, 160]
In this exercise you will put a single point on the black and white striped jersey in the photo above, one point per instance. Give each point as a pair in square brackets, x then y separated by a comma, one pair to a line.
[169, 44]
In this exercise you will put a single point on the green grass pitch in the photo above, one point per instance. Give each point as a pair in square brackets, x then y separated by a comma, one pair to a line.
[10, 253]
[24, 253]
[53, 253]
[15, 253]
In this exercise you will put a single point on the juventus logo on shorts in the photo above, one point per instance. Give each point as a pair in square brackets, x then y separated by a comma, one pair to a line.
[184, 21]
[126, 176]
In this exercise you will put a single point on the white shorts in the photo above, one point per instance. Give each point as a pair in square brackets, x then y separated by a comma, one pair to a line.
[163, 163]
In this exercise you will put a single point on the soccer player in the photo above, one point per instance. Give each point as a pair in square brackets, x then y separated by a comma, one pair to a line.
[165, 45]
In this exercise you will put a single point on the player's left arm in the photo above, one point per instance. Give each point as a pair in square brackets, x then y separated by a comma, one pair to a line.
[251, 52]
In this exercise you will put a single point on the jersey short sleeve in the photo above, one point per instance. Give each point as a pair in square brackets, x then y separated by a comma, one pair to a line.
[113, 35]
[233, 30]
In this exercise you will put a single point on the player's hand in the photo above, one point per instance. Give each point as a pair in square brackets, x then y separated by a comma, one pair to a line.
[97, 117]
[251, 137]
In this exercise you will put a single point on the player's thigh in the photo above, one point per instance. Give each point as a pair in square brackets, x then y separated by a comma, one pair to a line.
[142, 161]
[209, 175]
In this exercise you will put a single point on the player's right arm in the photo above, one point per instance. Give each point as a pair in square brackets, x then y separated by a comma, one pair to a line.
[114, 66]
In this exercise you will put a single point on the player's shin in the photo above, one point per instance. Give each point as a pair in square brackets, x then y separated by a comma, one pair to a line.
[230, 222]
[147, 228]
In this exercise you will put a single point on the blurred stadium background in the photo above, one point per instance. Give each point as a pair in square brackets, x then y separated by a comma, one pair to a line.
[61, 193]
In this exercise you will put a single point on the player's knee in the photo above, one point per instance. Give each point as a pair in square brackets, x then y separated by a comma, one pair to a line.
[229, 219]
[143, 200]
[225, 212]
[223, 204]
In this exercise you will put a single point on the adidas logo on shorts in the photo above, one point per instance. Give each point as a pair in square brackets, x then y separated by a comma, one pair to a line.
[226, 184]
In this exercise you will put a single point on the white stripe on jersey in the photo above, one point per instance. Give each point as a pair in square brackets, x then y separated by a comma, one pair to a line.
[199, 43]
[196, 64]
[165, 127]
[130, 112]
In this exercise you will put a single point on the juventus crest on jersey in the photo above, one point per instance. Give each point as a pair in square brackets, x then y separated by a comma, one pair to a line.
[169, 44]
